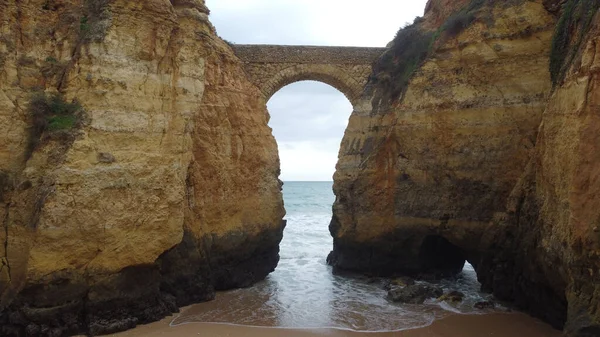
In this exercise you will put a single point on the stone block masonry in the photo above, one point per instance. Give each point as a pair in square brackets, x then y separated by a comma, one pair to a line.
[271, 67]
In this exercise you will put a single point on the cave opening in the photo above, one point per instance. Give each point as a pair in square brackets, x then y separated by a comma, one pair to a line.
[448, 265]
[439, 256]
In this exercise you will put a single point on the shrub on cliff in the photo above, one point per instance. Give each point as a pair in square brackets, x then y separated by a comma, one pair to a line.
[52, 69]
[572, 27]
[395, 68]
[52, 116]
[462, 19]
[412, 45]
[51, 112]
[95, 21]
[458, 22]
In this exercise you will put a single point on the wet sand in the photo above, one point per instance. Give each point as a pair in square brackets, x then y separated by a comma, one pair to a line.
[492, 325]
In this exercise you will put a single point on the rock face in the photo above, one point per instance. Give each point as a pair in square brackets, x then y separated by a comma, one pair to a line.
[167, 192]
[481, 158]
[422, 175]
[552, 237]
[468, 143]
[414, 294]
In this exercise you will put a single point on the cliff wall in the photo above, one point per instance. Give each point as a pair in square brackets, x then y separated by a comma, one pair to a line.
[439, 157]
[484, 153]
[164, 190]
[552, 236]
[138, 173]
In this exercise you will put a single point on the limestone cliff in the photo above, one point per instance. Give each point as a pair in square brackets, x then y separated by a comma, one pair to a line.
[434, 163]
[483, 153]
[167, 187]
[551, 236]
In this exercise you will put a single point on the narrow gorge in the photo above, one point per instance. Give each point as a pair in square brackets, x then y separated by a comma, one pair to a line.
[138, 173]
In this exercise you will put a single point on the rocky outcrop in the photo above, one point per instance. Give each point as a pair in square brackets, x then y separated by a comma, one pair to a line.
[414, 294]
[486, 155]
[168, 190]
[425, 173]
[547, 257]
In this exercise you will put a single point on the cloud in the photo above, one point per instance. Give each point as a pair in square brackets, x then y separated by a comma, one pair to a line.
[258, 21]
[309, 111]
[312, 22]
[308, 121]
[309, 118]
[308, 160]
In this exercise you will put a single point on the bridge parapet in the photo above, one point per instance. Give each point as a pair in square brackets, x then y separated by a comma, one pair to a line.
[306, 54]
[272, 67]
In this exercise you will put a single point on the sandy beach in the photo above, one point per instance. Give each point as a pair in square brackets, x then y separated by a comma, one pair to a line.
[496, 325]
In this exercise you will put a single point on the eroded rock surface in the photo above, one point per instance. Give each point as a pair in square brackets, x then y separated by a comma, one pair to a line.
[168, 192]
[168, 189]
[414, 294]
[485, 156]
[421, 175]
[549, 261]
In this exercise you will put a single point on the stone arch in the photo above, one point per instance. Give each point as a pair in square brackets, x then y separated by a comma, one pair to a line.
[328, 74]
[439, 256]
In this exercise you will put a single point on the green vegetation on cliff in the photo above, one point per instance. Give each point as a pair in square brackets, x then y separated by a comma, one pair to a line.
[395, 68]
[462, 19]
[51, 115]
[412, 45]
[51, 112]
[95, 21]
[572, 28]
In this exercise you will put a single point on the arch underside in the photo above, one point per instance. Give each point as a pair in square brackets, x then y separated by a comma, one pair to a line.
[328, 74]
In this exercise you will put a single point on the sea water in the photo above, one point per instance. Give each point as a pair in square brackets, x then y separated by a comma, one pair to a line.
[304, 293]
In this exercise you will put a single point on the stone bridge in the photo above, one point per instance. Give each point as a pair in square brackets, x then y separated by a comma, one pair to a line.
[272, 67]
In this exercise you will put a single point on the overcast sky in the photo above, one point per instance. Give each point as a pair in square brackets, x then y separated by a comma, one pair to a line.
[309, 118]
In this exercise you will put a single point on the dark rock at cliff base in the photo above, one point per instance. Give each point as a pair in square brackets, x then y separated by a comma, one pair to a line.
[589, 331]
[414, 294]
[122, 301]
[373, 280]
[185, 272]
[517, 270]
[103, 305]
[239, 260]
[143, 294]
[453, 296]
[401, 252]
[398, 282]
[386, 262]
[484, 305]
